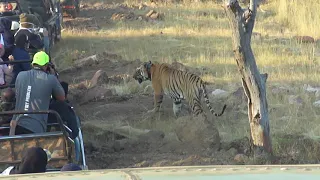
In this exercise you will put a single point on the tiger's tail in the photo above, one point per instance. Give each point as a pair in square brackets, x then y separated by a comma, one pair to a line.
[206, 99]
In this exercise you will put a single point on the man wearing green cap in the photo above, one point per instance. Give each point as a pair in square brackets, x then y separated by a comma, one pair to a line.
[33, 93]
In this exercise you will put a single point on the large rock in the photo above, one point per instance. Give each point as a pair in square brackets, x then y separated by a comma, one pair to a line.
[219, 92]
[95, 93]
[317, 103]
[197, 132]
[100, 77]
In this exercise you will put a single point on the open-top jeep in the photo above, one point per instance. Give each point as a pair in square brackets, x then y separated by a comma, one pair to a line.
[62, 148]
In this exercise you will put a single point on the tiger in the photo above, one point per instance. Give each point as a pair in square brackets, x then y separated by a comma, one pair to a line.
[179, 85]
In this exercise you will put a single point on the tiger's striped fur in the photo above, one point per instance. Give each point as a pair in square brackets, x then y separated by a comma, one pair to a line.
[179, 85]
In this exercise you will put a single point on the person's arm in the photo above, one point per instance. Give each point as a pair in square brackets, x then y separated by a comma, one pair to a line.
[57, 90]
[13, 122]
[8, 68]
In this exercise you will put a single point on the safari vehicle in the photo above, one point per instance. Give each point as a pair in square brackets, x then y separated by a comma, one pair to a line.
[70, 7]
[57, 140]
[46, 12]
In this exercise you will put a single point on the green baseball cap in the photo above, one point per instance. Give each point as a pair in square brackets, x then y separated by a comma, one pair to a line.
[41, 58]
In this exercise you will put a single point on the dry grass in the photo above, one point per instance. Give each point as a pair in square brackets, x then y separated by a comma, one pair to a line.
[197, 40]
[301, 16]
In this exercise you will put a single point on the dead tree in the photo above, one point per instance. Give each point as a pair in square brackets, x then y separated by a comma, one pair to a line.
[242, 23]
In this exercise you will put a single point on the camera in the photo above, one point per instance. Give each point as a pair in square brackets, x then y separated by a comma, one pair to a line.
[51, 69]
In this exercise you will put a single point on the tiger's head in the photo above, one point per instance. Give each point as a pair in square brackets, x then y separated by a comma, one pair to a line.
[142, 73]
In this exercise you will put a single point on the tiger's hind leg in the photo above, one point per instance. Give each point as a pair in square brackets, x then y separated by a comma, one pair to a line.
[196, 107]
[176, 107]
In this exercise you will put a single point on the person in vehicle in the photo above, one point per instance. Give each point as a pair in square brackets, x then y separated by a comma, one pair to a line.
[7, 103]
[35, 160]
[7, 37]
[25, 38]
[4, 7]
[5, 70]
[34, 89]
[65, 111]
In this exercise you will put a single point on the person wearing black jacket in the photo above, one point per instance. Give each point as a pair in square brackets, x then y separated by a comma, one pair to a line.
[8, 37]
[25, 39]
[65, 111]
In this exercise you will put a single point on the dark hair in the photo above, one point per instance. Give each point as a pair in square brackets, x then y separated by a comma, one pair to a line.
[8, 95]
[35, 160]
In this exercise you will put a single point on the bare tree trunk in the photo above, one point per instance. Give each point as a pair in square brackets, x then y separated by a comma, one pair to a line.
[242, 23]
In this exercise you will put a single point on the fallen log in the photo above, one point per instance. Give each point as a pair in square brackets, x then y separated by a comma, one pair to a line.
[100, 77]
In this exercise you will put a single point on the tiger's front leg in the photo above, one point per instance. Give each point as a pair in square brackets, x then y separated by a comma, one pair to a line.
[176, 107]
[157, 103]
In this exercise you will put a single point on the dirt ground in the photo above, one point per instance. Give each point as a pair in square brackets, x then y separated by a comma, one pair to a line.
[105, 111]
[100, 117]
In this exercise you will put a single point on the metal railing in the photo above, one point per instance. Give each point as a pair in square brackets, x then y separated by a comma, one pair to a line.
[60, 122]
[12, 62]
[16, 62]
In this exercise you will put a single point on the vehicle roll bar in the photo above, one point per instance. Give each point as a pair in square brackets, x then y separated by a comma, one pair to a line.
[40, 112]
[16, 62]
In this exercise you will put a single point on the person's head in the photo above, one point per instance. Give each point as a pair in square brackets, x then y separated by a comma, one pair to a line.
[71, 167]
[29, 21]
[3, 7]
[41, 60]
[2, 50]
[7, 102]
[8, 95]
[35, 160]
